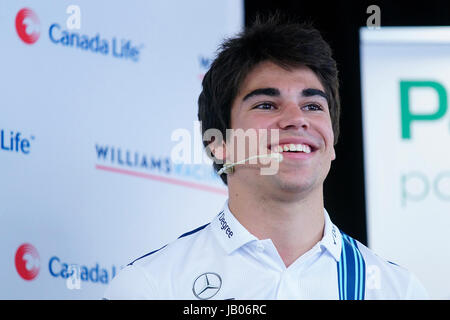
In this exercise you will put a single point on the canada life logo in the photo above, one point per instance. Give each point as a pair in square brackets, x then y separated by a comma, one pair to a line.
[27, 25]
[27, 261]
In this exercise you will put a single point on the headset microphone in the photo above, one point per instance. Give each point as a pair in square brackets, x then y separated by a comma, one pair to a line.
[229, 167]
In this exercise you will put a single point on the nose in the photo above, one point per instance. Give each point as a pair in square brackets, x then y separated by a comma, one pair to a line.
[293, 117]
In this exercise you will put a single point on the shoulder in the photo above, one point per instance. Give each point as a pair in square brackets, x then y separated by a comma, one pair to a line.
[188, 242]
[131, 283]
[388, 280]
[139, 279]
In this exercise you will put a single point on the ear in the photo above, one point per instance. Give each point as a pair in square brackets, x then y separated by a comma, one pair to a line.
[218, 151]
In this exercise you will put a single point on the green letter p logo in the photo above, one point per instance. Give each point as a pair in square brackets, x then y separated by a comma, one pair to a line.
[407, 116]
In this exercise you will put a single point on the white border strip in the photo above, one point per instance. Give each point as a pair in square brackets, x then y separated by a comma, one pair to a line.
[401, 35]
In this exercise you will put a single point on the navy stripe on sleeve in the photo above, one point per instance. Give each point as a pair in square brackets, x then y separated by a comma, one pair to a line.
[193, 231]
[182, 236]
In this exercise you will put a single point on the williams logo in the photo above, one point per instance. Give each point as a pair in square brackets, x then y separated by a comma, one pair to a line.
[157, 168]
[27, 26]
[27, 261]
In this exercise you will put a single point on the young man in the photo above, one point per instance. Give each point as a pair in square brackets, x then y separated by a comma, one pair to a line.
[273, 239]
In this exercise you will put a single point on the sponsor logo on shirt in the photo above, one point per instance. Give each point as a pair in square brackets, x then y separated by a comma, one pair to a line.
[207, 285]
[333, 232]
[224, 225]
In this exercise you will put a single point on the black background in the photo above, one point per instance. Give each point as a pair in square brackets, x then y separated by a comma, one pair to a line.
[339, 23]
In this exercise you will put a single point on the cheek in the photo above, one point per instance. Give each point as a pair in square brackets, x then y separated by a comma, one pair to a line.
[254, 122]
[326, 130]
[333, 154]
[330, 143]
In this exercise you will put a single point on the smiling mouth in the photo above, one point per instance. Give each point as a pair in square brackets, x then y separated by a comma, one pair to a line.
[298, 148]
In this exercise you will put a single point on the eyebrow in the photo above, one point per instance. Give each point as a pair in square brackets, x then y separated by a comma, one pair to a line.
[314, 92]
[273, 92]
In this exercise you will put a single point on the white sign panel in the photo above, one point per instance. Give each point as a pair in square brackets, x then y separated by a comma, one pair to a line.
[406, 89]
[91, 92]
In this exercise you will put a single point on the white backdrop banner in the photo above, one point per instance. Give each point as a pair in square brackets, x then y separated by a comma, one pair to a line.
[405, 88]
[91, 93]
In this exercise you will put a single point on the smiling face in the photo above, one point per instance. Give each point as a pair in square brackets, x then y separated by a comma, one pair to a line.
[294, 102]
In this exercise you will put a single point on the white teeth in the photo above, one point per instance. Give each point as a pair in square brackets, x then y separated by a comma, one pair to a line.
[293, 147]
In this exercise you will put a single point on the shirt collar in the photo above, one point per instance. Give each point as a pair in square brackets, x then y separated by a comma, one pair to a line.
[332, 238]
[233, 235]
[230, 233]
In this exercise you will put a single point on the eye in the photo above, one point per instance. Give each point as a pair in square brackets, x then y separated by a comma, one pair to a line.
[264, 106]
[313, 107]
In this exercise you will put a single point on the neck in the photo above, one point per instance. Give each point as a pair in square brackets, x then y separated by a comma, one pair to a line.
[294, 225]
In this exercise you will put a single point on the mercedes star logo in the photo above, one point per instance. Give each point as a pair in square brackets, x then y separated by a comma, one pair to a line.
[207, 285]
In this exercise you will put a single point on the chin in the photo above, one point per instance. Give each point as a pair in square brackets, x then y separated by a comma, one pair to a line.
[294, 185]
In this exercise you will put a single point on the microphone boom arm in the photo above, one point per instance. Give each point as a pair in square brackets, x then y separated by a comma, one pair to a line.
[229, 167]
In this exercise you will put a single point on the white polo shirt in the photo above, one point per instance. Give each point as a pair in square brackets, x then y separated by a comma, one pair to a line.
[222, 260]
